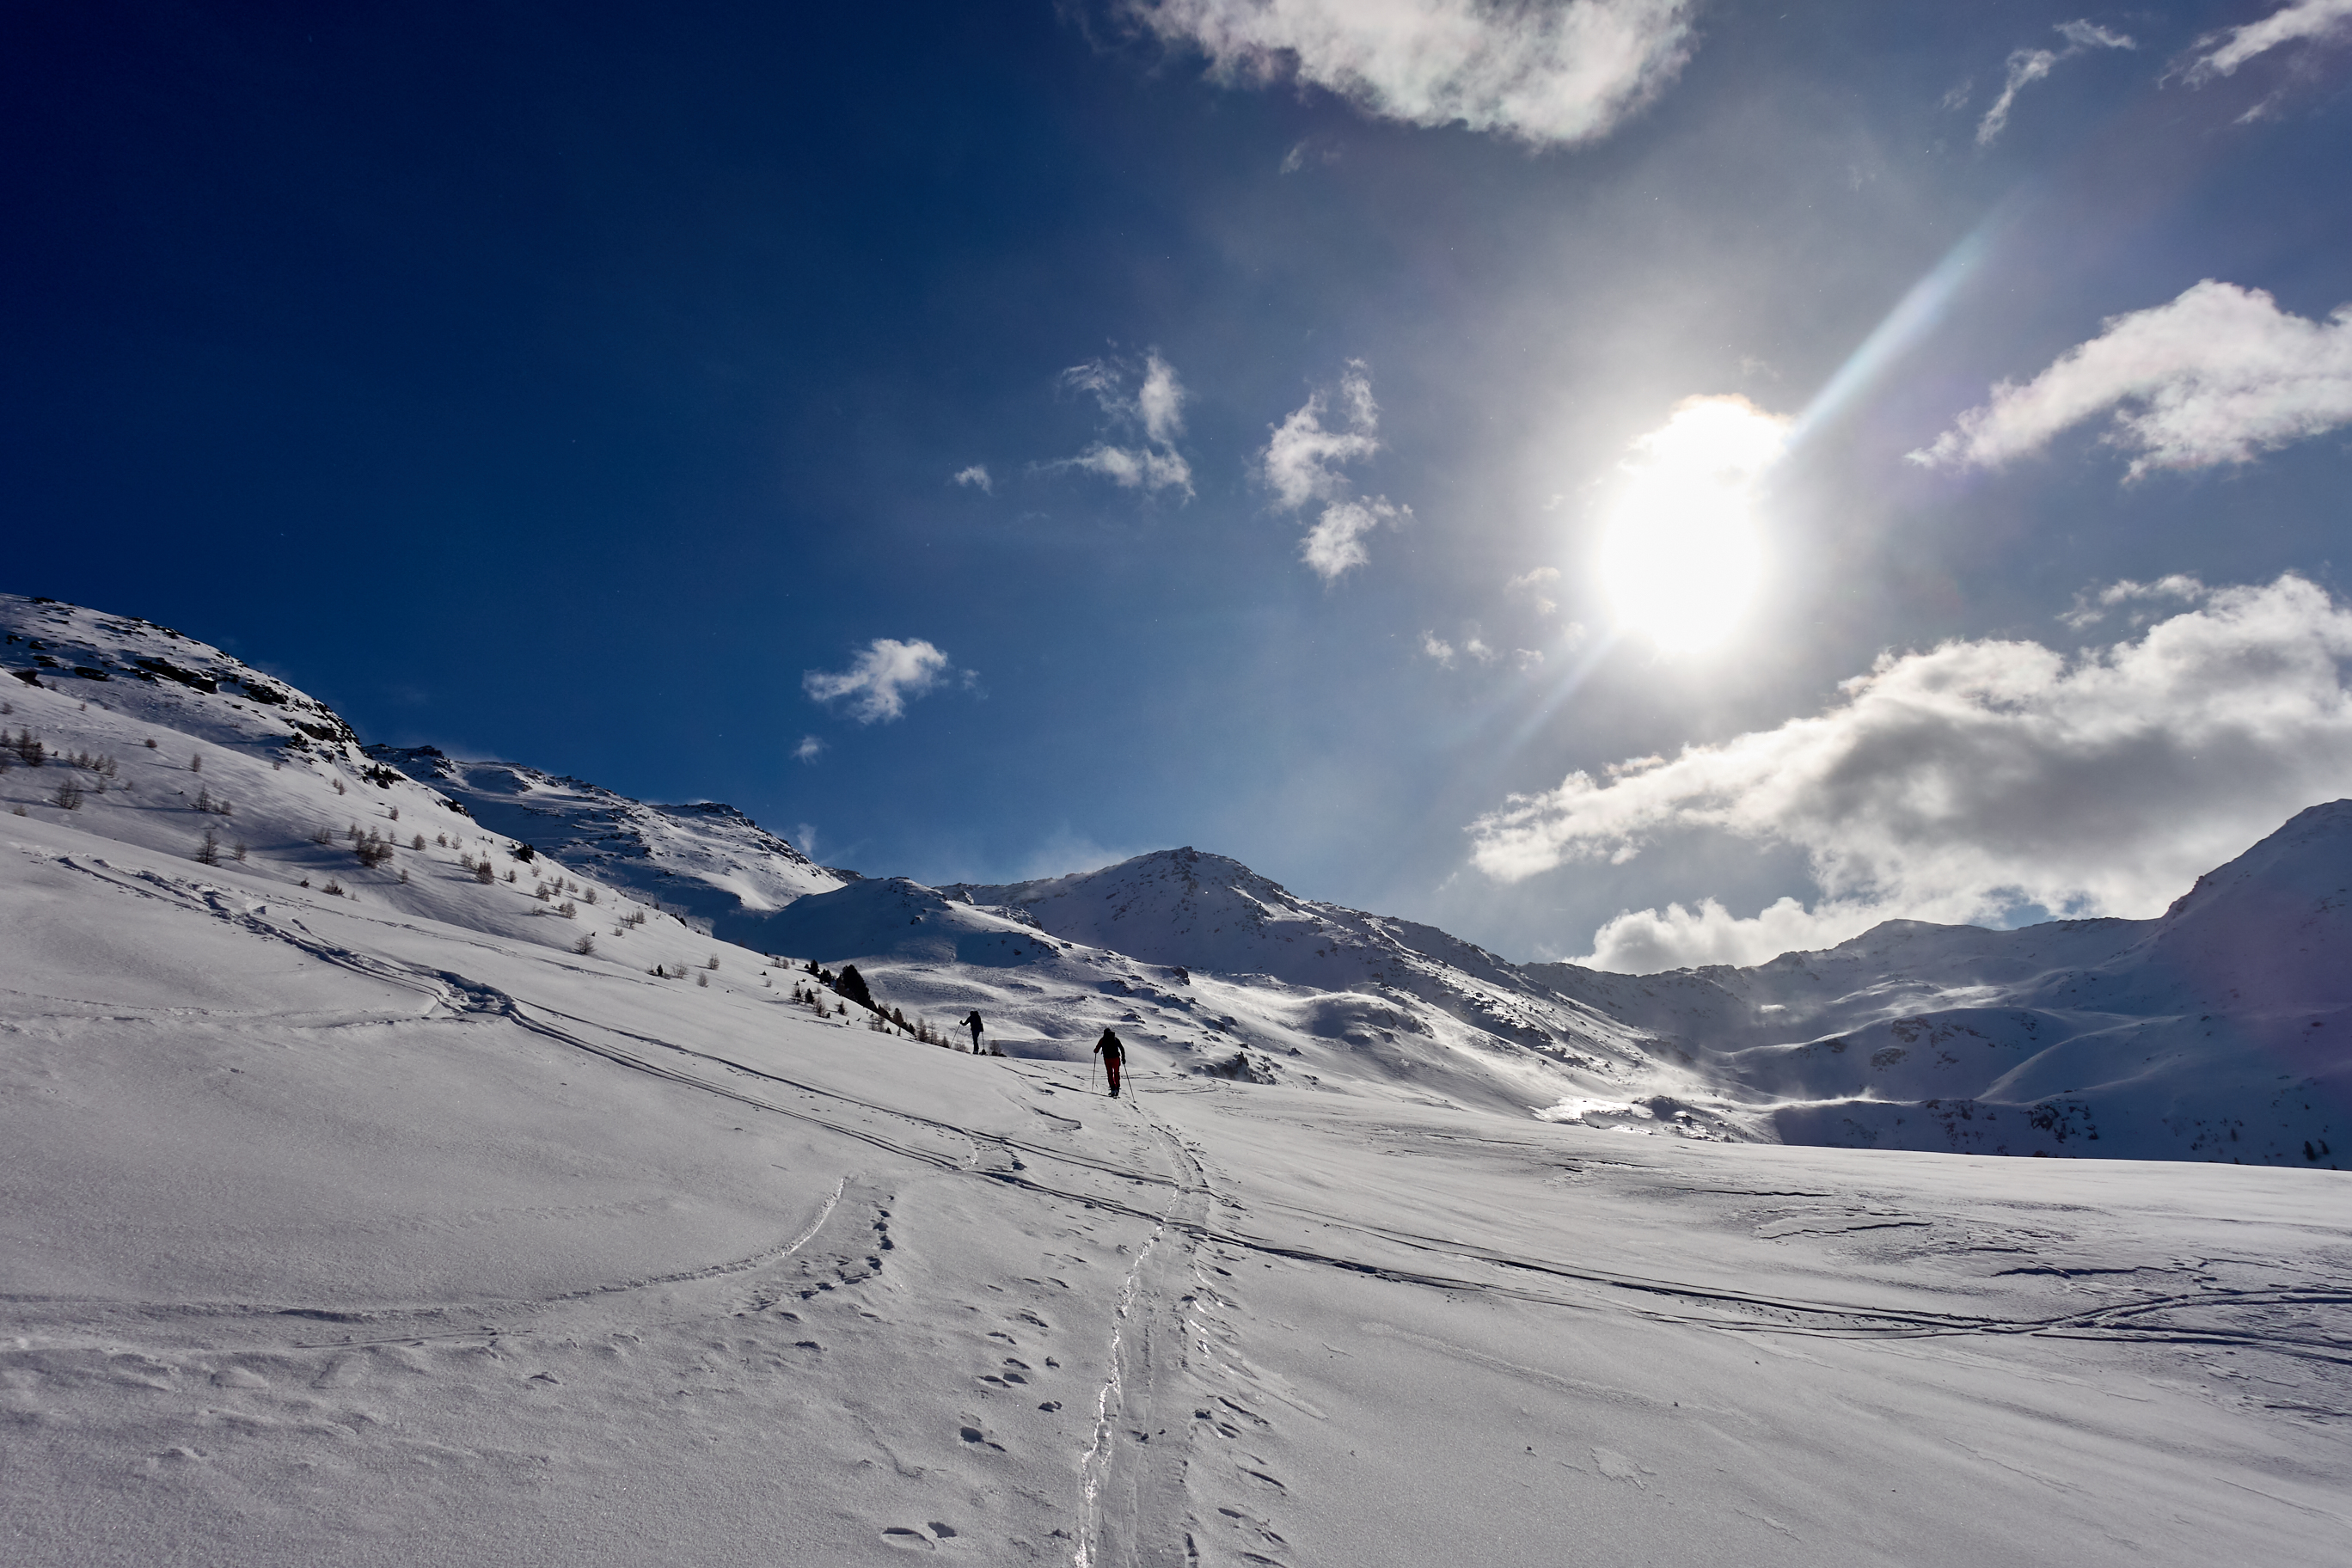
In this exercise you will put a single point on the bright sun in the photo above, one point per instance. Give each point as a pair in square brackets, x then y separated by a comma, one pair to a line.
[1681, 556]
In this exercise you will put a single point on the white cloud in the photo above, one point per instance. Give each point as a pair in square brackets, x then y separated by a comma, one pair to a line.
[1527, 658]
[1134, 468]
[880, 681]
[2090, 609]
[1983, 777]
[2027, 67]
[1335, 545]
[1307, 152]
[1644, 942]
[2219, 375]
[810, 748]
[1473, 646]
[1301, 464]
[1547, 74]
[977, 477]
[1161, 400]
[1154, 412]
[1538, 586]
[2299, 21]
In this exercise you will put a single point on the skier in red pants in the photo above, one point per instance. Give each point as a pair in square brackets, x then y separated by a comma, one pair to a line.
[1112, 1052]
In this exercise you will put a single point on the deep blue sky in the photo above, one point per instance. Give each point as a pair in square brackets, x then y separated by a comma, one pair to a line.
[564, 382]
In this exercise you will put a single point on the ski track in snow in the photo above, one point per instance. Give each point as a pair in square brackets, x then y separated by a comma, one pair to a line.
[862, 1349]
[1757, 1312]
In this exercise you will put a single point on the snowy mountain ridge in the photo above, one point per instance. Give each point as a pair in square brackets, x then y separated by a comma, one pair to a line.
[2208, 1033]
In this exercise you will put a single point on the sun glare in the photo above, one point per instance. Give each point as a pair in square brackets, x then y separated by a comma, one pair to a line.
[1682, 556]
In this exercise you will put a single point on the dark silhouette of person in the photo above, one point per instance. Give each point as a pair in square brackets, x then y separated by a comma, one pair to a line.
[975, 1025]
[1113, 1054]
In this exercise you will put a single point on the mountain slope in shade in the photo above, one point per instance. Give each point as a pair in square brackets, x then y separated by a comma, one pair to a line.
[706, 862]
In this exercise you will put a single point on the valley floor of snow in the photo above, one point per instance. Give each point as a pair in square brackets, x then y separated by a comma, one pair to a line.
[333, 1233]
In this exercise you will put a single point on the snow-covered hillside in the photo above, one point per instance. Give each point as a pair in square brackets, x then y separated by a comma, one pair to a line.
[1405, 1025]
[706, 862]
[2221, 1031]
[372, 1194]
[2212, 1033]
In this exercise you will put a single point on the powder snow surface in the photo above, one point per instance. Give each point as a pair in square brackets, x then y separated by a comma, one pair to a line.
[383, 1226]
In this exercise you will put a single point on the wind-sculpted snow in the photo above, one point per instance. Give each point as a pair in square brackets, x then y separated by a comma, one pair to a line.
[354, 1209]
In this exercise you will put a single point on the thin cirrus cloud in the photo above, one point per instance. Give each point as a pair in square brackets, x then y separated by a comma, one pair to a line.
[1983, 777]
[977, 477]
[2027, 67]
[1146, 422]
[2220, 375]
[880, 681]
[810, 748]
[1302, 463]
[2300, 21]
[1549, 75]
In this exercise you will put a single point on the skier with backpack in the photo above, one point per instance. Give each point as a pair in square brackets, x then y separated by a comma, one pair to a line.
[974, 1025]
[1112, 1052]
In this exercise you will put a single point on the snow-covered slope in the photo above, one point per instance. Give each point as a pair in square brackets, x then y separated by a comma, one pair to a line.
[137, 734]
[2218, 1032]
[353, 1209]
[2212, 1033]
[379, 1233]
[1050, 993]
[1348, 993]
[706, 862]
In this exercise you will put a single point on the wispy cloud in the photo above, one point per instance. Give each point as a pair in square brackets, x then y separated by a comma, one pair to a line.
[2219, 375]
[2027, 67]
[810, 748]
[1146, 422]
[1302, 461]
[977, 477]
[2090, 609]
[1335, 543]
[1473, 646]
[1549, 75]
[881, 679]
[1983, 777]
[2299, 21]
[1301, 465]
[1539, 585]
